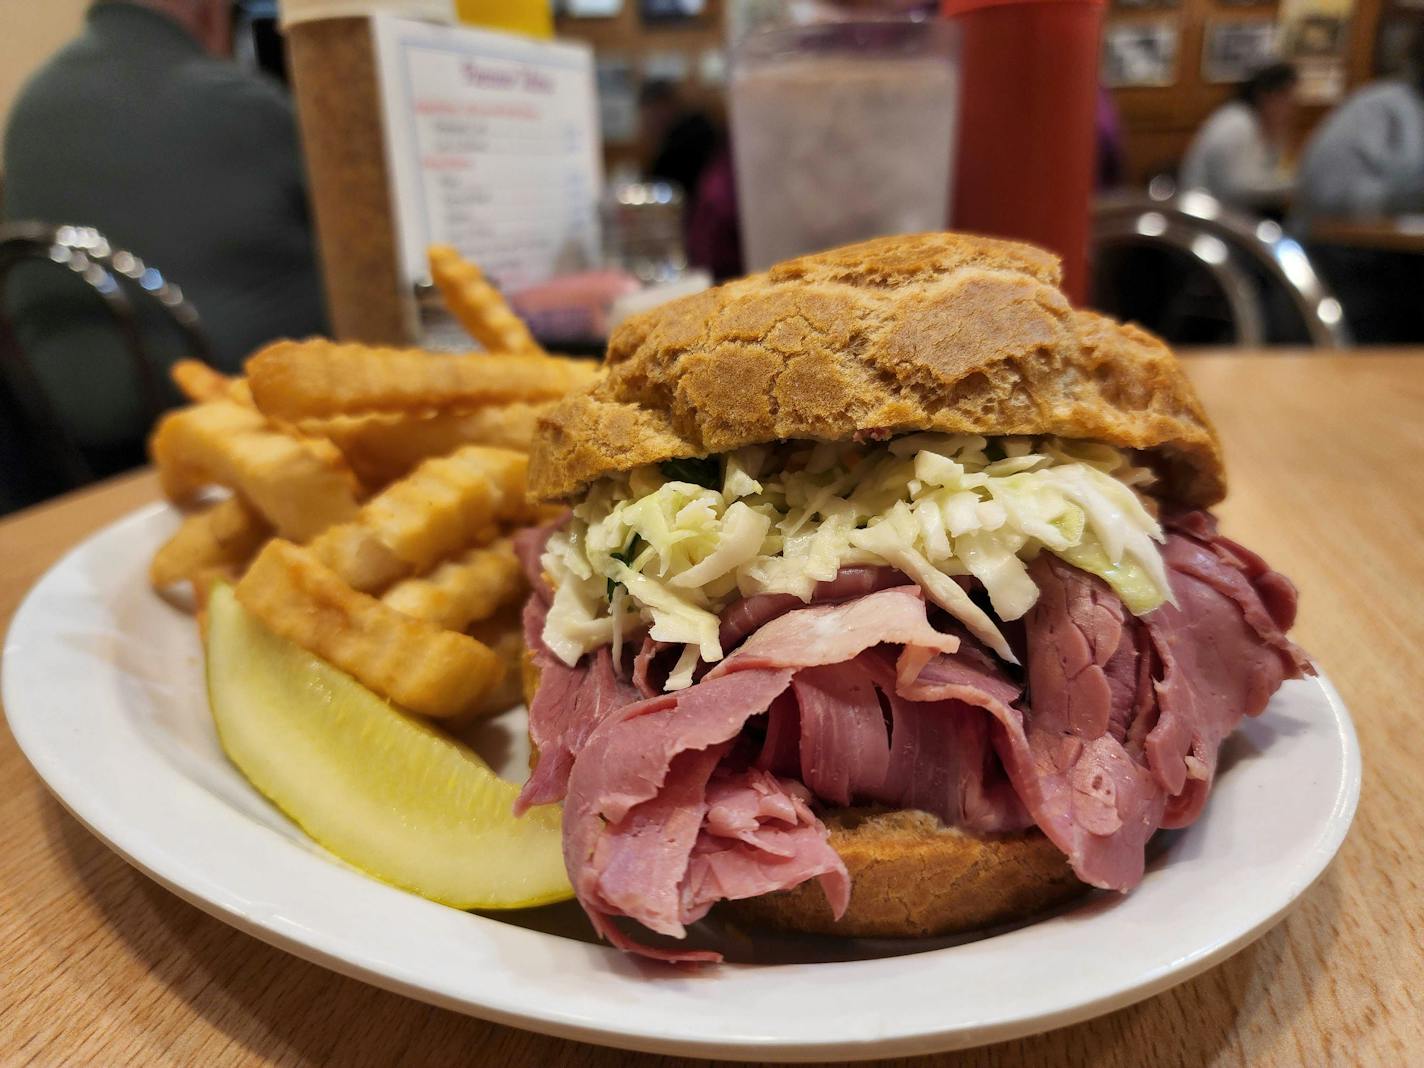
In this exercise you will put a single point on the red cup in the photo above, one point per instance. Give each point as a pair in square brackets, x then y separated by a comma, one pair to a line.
[1027, 149]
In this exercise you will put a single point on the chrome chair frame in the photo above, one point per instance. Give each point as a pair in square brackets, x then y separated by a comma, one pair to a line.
[1153, 229]
[1199, 225]
[88, 254]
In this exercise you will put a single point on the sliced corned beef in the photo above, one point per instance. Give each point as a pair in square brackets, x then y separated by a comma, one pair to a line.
[943, 758]
[1082, 787]
[760, 833]
[835, 633]
[843, 745]
[529, 546]
[749, 614]
[652, 664]
[637, 758]
[861, 699]
[570, 701]
[1124, 716]
[1223, 652]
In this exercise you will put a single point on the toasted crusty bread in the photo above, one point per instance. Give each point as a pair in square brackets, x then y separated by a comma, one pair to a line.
[948, 332]
[913, 877]
[910, 875]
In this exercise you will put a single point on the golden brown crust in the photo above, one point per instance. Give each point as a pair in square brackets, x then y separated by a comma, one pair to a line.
[947, 332]
[912, 877]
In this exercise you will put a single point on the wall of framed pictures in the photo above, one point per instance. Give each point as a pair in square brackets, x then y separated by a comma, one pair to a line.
[1170, 63]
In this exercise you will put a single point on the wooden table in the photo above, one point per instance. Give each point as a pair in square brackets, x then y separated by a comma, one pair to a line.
[98, 965]
[1404, 234]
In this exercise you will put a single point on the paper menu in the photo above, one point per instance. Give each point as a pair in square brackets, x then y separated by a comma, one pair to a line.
[492, 146]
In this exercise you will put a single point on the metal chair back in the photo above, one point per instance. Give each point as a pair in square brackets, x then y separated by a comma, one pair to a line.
[88, 255]
[1226, 243]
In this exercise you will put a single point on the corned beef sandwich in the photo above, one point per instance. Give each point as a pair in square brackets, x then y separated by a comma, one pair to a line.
[888, 604]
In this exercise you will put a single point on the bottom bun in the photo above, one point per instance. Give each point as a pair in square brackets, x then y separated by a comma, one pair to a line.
[913, 877]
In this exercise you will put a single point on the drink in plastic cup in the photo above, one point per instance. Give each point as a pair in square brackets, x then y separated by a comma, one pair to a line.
[842, 131]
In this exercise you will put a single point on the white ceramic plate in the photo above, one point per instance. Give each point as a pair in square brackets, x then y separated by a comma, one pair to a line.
[103, 687]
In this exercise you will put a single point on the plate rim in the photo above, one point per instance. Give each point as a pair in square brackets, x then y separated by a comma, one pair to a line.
[162, 865]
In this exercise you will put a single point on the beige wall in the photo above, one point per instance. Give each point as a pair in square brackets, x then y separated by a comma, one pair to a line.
[30, 31]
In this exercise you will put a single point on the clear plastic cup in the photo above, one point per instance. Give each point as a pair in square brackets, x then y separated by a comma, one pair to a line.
[842, 131]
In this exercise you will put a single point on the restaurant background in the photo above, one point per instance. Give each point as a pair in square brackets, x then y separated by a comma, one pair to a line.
[1158, 120]
[637, 191]
[415, 185]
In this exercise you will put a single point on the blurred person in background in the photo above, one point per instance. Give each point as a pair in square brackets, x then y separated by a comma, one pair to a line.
[1238, 154]
[710, 227]
[1366, 162]
[1111, 167]
[685, 146]
[144, 129]
[679, 140]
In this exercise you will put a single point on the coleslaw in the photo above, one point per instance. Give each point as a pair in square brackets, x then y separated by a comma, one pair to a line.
[666, 548]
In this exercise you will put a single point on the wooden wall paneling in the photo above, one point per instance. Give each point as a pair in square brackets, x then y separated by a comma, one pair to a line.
[1364, 29]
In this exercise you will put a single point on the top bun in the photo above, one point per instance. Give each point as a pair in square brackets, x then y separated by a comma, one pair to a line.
[946, 332]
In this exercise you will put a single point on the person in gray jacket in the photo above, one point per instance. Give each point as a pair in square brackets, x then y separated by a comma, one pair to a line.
[1237, 155]
[144, 129]
[1366, 159]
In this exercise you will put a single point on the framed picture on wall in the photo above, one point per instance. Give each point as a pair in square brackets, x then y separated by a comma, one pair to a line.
[1140, 54]
[1320, 35]
[671, 10]
[712, 67]
[1315, 36]
[1233, 50]
[666, 66]
[588, 9]
[617, 97]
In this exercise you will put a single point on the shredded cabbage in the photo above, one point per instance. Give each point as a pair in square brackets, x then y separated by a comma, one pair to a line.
[652, 550]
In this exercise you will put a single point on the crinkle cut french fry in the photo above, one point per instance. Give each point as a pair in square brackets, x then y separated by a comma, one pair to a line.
[301, 485]
[477, 305]
[417, 665]
[381, 448]
[225, 534]
[199, 382]
[504, 634]
[294, 380]
[464, 590]
[184, 469]
[436, 510]
[358, 555]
